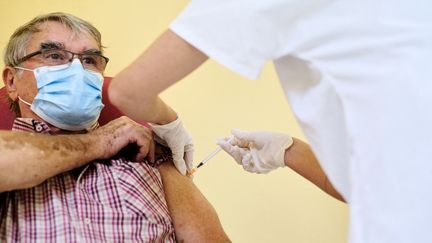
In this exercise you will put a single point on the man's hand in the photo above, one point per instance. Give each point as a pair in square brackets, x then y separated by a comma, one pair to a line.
[28, 159]
[257, 152]
[179, 141]
[122, 131]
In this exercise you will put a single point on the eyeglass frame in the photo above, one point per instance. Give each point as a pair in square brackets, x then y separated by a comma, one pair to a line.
[28, 56]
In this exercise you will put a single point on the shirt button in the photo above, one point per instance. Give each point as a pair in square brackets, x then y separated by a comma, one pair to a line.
[38, 128]
[87, 221]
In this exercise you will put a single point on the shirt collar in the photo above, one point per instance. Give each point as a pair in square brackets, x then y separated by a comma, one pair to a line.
[30, 125]
[36, 126]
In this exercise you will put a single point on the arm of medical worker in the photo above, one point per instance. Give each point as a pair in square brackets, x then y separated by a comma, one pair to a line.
[263, 151]
[194, 218]
[300, 158]
[135, 89]
[28, 159]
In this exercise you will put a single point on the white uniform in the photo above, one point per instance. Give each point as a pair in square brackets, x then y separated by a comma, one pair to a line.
[358, 76]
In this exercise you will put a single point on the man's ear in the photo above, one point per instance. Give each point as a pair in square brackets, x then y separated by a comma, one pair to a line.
[9, 82]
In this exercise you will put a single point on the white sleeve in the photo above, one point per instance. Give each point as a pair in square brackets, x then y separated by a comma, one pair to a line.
[242, 34]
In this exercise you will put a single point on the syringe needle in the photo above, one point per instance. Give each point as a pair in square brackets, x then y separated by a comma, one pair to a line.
[209, 157]
[216, 151]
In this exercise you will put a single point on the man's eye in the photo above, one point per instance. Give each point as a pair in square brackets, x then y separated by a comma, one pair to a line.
[89, 60]
[54, 56]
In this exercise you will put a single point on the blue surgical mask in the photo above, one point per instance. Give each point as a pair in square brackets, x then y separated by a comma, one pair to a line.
[69, 96]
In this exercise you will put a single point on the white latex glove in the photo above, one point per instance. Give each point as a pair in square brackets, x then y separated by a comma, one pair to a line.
[175, 136]
[257, 152]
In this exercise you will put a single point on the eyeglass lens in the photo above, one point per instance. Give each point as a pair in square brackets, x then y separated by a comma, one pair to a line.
[95, 62]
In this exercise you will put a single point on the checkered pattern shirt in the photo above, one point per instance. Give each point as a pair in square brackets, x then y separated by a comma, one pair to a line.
[105, 201]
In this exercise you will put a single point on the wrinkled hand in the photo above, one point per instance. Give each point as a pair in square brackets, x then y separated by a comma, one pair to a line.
[257, 152]
[122, 131]
[175, 136]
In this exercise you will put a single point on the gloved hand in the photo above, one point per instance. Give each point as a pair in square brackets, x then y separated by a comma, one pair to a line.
[175, 136]
[257, 152]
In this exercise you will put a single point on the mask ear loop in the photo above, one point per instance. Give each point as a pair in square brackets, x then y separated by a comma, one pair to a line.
[23, 101]
[25, 69]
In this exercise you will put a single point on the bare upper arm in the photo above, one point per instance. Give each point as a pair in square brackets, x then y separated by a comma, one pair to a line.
[195, 220]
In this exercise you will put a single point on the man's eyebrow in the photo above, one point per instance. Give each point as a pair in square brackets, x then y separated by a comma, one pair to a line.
[92, 51]
[51, 45]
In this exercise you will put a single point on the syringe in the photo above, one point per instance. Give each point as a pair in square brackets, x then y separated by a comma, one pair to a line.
[216, 151]
[209, 157]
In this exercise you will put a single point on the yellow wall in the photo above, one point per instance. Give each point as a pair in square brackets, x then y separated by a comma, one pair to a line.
[278, 207]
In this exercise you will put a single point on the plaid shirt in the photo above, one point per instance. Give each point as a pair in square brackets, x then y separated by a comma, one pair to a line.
[105, 201]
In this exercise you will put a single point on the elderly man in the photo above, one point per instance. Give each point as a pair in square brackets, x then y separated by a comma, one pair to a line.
[63, 178]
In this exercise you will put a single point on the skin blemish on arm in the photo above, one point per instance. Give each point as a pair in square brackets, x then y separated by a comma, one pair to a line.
[33, 158]
[55, 146]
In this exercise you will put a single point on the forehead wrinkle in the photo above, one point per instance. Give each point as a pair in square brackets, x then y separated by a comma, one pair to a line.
[68, 37]
[80, 35]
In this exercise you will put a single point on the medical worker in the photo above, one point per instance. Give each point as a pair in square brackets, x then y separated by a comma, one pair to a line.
[357, 74]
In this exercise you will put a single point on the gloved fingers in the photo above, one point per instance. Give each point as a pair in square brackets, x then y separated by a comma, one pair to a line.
[247, 163]
[189, 147]
[242, 138]
[181, 166]
[226, 146]
[263, 166]
[230, 141]
[178, 161]
[248, 159]
[166, 127]
[251, 162]
[159, 140]
[241, 134]
[251, 165]
[188, 157]
[236, 152]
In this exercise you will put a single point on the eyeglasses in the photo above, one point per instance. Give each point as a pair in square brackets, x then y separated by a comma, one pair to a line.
[52, 57]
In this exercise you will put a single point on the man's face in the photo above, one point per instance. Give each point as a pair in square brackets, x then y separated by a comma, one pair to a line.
[52, 35]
